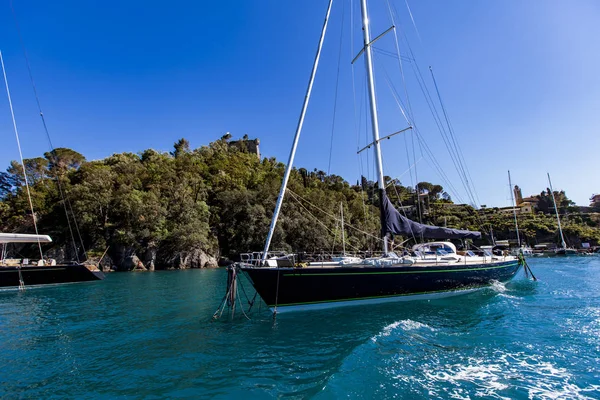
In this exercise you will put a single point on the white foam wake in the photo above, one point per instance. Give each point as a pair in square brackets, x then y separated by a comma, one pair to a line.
[404, 325]
[505, 371]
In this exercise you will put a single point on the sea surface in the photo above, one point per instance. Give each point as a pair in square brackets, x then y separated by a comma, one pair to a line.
[151, 335]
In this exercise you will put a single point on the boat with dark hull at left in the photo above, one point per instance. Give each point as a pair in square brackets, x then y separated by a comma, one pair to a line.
[22, 273]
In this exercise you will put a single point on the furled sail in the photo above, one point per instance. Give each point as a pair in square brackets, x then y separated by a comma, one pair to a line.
[396, 224]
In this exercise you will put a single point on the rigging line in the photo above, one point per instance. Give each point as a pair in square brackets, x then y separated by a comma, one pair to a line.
[78, 232]
[333, 216]
[315, 217]
[409, 104]
[428, 151]
[410, 167]
[461, 157]
[52, 151]
[12, 113]
[359, 156]
[455, 147]
[368, 163]
[460, 154]
[435, 114]
[391, 54]
[438, 169]
[413, 21]
[297, 197]
[408, 45]
[334, 238]
[434, 111]
[442, 175]
[395, 11]
[412, 182]
[290, 163]
[337, 81]
[399, 55]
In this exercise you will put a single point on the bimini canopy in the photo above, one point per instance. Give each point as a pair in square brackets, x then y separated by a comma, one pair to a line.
[23, 238]
[396, 224]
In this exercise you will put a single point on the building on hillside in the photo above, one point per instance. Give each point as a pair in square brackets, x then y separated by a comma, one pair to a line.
[508, 210]
[518, 195]
[533, 202]
[406, 209]
[452, 205]
[250, 145]
[526, 207]
[584, 209]
[594, 199]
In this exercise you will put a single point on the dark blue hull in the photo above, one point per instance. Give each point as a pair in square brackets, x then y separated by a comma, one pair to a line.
[46, 275]
[328, 287]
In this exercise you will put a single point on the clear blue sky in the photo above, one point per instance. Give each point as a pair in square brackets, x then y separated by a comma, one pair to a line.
[520, 81]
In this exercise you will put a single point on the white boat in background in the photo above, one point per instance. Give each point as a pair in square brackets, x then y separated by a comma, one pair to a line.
[23, 238]
[525, 250]
[23, 272]
[564, 250]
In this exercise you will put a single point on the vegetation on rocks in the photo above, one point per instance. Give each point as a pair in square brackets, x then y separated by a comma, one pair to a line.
[190, 207]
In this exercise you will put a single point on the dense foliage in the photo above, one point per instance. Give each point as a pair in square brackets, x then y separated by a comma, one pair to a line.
[220, 198]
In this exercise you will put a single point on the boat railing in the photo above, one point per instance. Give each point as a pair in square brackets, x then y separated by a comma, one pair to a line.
[26, 262]
[281, 258]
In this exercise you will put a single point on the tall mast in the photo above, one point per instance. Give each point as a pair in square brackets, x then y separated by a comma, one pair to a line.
[562, 238]
[373, 105]
[12, 114]
[343, 235]
[513, 201]
[288, 169]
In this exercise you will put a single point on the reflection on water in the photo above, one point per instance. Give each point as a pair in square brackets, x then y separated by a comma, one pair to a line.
[150, 335]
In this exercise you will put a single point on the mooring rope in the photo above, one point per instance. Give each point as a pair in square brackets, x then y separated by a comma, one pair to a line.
[21, 282]
[526, 266]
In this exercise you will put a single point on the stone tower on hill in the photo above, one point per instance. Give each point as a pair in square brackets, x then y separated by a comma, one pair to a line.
[248, 145]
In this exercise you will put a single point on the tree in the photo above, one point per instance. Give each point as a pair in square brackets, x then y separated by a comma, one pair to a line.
[546, 204]
[182, 146]
[63, 159]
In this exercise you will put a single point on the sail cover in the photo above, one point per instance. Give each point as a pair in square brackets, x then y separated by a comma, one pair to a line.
[396, 224]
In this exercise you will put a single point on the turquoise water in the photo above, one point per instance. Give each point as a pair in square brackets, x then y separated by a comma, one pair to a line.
[150, 335]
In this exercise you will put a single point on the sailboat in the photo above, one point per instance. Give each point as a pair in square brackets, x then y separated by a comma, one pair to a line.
[23, 272]
[563, 250]
[432, 270]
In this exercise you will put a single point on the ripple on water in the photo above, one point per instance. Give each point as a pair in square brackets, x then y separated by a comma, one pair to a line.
[151, 336]
[412, 359]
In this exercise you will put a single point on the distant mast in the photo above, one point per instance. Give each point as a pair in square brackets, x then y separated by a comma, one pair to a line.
[373, 107]
[562, 238]
[514, 202]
